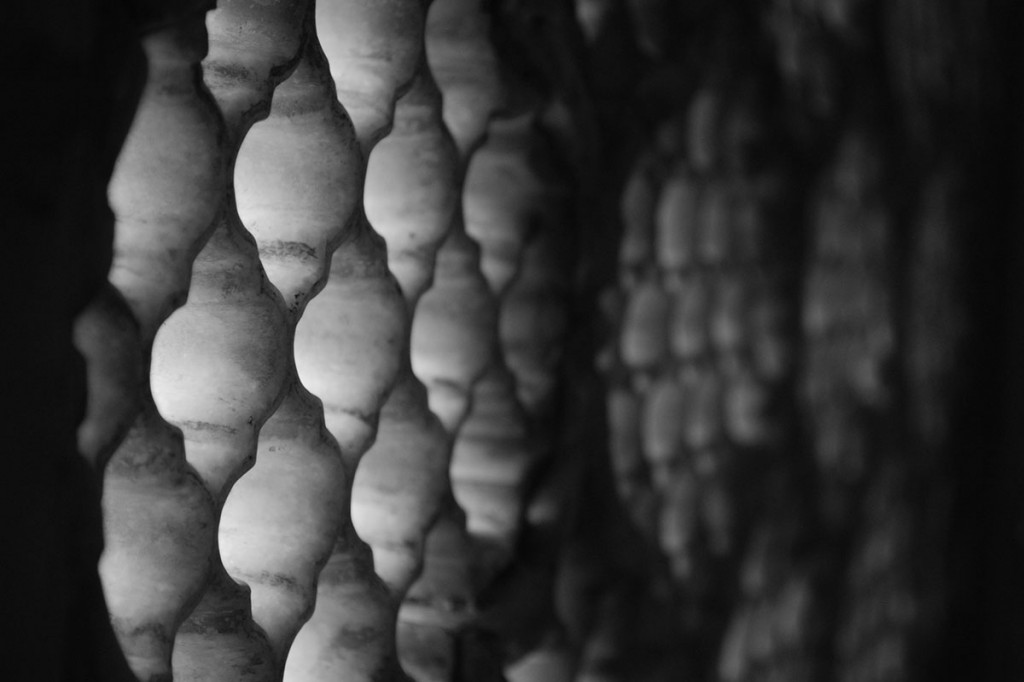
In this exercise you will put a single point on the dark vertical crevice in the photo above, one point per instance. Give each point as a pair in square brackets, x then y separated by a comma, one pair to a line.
[75, 73]
[1000, 402]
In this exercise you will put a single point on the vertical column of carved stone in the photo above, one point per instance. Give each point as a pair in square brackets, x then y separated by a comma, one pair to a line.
[450, 343]
[349, 348]
[534, 321]
[297, 179]
[412, 197]
[221, 361]
[369, 85]
[533, 330]
[411, 189]
[451, 336]
[166, 192]
[500, 221]
[493, 453]
[517, 209]
[497, 446]
[542, 46]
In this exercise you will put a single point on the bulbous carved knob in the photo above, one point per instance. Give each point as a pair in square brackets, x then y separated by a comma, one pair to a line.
[452, 330]
[282, 518]
[534, 324]
[492, 455]
[411, 190]
[219, 363]
[374, 49]
[159, 519]
[160, 526]
[166, 188]
[399, 485]
[504, 197]
[297, 179]
[348, 342]
[465, 66]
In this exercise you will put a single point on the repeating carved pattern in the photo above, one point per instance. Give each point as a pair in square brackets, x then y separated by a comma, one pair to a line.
[328, 379]
[295, 181]
[160, 520]
[451, 343]
[350, 347]
[512, 209]
[221, 362]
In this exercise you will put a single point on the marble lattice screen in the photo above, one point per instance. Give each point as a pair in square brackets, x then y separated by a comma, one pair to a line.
[487, 340]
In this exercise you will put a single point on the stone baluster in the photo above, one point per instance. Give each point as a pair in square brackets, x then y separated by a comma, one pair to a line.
[166, 193]
[494, 451]
[450, 349]
[349, 345]
[442, 601]
[465, 67]
[220, 363]
[517, 208]
[453, 329]
[411, 195]
[400, 490]
[297, 179]
[450, 344]
[411, 190]
[509, 197]
[502, 194]
[497, 446]
[534, 323]
[351, 368]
